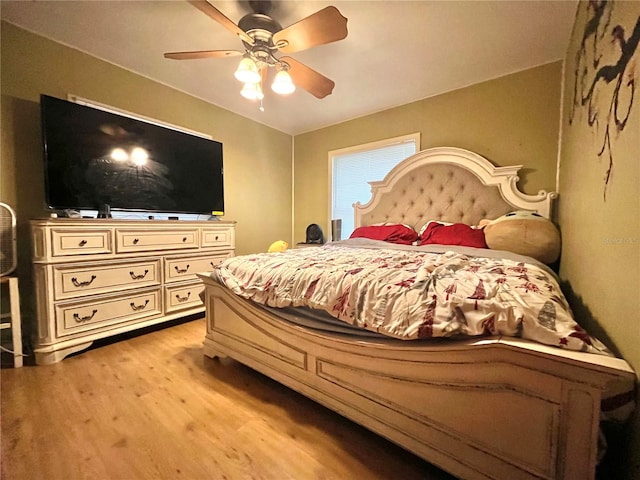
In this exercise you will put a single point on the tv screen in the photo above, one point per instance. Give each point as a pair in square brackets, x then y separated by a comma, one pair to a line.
[95, 158]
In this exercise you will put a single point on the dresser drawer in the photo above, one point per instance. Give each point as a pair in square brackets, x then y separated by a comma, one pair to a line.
[145, 240]
[181, 296]
[185, 268]
[80, 242]
[218, 237]
[77, 280]
[96, 313]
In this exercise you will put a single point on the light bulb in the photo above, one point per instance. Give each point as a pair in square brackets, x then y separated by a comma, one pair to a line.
[252, 91]
[247, 71]
[282, 84]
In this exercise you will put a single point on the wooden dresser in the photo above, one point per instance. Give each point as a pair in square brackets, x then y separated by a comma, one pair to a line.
[95, 278]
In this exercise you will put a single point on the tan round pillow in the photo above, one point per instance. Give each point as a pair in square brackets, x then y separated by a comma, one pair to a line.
[525, 233]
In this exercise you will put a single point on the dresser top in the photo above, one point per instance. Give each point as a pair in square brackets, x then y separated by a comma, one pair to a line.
[99, 222]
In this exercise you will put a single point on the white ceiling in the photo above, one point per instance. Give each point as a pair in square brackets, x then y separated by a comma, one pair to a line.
[396, 52]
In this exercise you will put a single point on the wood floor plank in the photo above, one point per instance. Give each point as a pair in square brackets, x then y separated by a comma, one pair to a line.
[153, 407]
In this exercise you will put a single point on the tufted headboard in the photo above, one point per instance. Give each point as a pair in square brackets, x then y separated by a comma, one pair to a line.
[451, 185]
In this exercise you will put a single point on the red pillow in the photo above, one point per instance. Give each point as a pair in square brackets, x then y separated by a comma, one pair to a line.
[395, 233]
[454, 234]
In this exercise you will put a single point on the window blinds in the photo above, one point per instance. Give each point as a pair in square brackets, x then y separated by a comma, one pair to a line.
[352, 172]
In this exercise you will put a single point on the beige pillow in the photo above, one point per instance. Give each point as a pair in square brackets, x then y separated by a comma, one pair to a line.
[525, 233]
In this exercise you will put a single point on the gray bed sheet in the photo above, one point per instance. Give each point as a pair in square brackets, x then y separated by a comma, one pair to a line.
[321, 321]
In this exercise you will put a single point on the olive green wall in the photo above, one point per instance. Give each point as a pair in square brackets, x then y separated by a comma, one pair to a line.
[512, 120]
[600, 264]
[257, 159]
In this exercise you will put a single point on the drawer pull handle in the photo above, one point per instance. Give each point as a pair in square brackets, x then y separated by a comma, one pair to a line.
[138, 277]
[86, 283]
[216, 237]
[135, 241]
[135, 307]
[213, 264]
[182, 299]
[184, 239]
[82, 243]
[181, 270]
[86, 318]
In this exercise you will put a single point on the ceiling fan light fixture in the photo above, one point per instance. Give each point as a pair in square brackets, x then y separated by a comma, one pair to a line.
[263, 37]
[247, 71]
[252, 91]
[282, 84]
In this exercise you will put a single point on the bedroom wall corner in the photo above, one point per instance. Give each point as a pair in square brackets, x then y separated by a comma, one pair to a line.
[599, 203]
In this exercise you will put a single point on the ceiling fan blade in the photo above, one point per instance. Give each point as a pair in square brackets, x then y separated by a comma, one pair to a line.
[202, 54]
[218, 16]
[307, 78]
[325, 26]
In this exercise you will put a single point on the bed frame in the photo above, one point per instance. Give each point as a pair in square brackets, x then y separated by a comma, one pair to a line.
[484, 408]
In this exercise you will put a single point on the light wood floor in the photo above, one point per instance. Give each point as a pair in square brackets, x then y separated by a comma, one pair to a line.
[153, 407]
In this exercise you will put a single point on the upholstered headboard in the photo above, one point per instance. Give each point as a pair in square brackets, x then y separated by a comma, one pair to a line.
[451, 185]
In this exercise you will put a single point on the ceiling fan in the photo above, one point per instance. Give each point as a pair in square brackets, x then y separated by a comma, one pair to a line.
[263, 38]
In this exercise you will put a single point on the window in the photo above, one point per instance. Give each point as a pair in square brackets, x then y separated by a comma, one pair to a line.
[353, 168]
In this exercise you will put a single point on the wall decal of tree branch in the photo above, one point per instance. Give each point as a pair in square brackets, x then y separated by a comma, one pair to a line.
[609, 63]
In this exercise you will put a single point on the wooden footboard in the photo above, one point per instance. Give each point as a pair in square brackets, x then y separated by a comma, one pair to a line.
[480, 409]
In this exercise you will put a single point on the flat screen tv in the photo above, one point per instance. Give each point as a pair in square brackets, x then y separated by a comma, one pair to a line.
[94, 158]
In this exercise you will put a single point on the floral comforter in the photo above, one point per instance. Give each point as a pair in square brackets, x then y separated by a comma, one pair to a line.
[414, 292]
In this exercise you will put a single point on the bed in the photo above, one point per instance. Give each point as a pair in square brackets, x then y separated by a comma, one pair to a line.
[488, 405]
